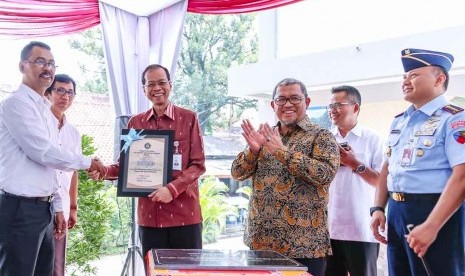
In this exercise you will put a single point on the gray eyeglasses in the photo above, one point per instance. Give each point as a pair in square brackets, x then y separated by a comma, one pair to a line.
[337, 106]
[152, 85]
[41, 63]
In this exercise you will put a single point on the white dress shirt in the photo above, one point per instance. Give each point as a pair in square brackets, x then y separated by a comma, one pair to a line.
[29, 151]
[68, 139]
[350, 197]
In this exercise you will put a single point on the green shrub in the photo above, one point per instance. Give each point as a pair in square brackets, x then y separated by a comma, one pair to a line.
[85, 240]
[214, 208]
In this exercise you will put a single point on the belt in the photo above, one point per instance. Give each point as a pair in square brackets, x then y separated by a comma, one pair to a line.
[37, 198]
[413, 197]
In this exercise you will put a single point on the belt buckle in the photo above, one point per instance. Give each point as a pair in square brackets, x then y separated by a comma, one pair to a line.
[50, 198]
[398, 196]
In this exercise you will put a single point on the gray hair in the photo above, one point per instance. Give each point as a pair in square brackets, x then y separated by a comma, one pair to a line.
[290, 81]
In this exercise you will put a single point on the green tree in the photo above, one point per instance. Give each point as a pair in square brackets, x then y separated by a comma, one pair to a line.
[460, 101]
[212, 193]
[95, 75]
[117, 239]
[85, 241]
[210, 45]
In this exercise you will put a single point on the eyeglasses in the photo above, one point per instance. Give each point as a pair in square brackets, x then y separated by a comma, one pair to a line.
[152, 85]
[62, 92]
[41, 63]
[293, 100]
[337, 106]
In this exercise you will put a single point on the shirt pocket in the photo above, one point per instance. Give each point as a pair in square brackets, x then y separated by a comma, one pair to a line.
[392, 143]
[393, 140]
[425, 150]
[425, 146]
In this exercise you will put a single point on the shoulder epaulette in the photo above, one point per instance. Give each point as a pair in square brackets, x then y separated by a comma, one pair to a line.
[398, 115]
[452, 109]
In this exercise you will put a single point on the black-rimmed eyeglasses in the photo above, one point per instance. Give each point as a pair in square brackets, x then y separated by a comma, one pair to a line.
[293, 100]
[61, 91]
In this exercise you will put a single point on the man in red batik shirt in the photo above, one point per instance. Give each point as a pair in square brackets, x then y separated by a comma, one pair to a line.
[170, 217]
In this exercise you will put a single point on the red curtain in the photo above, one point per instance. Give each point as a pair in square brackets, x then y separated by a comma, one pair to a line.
[234, 6]
[36, 18]
[32, 18]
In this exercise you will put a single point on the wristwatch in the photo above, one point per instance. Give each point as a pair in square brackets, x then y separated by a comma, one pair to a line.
[376, 208]
[361, 168]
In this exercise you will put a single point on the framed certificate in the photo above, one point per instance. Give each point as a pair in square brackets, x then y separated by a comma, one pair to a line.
[146, 161]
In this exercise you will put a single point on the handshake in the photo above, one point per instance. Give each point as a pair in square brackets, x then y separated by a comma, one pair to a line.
[97, 170]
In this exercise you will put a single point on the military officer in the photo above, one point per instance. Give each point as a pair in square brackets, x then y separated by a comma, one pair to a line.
[422, 178]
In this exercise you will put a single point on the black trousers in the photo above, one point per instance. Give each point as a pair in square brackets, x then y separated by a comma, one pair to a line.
[26, 237]
[445, 256]
[353, 257]
[315, 266]
[179, 237]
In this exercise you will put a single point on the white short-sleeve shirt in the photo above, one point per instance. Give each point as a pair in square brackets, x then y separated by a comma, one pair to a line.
[350, 197]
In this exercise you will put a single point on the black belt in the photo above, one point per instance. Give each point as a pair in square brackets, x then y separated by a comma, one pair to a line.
[37, 198]
[413, 197]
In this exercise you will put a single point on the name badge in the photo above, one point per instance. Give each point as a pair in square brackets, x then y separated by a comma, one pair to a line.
[406, 157]
[177, 157]
[177, 161]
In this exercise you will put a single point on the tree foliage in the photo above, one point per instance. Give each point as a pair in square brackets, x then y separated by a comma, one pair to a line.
[85, 240]
[90, 42]
[211, 44]
[212, 193]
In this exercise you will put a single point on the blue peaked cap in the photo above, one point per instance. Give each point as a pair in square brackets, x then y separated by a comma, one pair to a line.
[416, 58]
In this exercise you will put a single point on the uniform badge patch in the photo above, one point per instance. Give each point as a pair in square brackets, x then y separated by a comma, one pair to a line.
[457, 124]
[452, 109]
[459, 136]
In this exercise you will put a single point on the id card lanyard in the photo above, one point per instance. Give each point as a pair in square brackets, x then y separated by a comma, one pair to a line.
[177, 157]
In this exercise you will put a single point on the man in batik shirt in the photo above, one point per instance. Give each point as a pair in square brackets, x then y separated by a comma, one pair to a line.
[291, 165]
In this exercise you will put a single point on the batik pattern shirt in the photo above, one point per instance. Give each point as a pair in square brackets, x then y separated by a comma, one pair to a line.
[288, 205]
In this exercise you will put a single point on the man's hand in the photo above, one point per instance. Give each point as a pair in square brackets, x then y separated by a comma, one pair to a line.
[273, 138]
[97, 165]
[162, 195]
[253, 138]
[60, 225]
[421, 237]
[97, 170]
[73, 218]
[348, 157]
[378, 222]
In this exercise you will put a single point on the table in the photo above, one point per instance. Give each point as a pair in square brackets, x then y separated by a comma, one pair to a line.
[211, 262]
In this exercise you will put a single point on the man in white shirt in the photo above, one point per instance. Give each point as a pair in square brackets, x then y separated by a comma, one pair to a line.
[29, 157]
[61, 95]
[351, 194]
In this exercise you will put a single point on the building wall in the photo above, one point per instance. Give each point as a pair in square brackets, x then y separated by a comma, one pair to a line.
[325, 43]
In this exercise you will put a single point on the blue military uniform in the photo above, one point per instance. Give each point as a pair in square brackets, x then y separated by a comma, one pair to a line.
[423, 146]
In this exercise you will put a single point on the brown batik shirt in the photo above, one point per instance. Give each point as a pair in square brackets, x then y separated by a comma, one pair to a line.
[288, 205]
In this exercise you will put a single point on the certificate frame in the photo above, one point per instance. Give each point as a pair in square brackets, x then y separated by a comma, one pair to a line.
[146, 164]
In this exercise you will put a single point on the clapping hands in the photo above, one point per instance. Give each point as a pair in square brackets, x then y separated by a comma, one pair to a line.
[265, 136]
